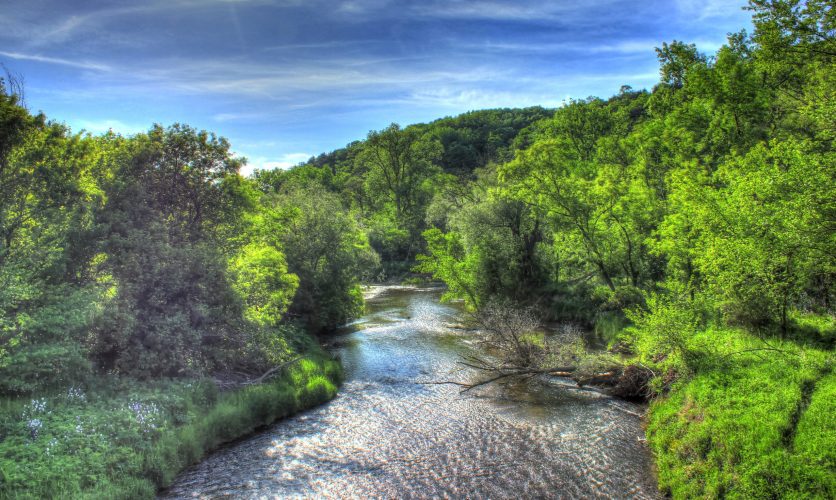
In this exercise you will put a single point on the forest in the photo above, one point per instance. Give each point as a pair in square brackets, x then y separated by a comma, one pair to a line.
[691, 227]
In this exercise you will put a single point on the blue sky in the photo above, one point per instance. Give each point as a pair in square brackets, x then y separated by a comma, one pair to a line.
[287, 79]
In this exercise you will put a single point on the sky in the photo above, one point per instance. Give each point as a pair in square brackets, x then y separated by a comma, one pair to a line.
[284, 80]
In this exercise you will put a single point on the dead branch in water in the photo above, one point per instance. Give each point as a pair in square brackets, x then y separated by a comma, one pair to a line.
[517, 348]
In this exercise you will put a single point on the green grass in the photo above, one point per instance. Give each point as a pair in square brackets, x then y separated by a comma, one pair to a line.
[821, 328]
[120, 438]
[749, 423]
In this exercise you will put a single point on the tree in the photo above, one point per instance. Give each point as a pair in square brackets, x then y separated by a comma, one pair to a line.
[677, 59]
[173, 309]
[399, 165]
[262, 281]
[493, 248]
[400, 162]
[327, 250]
[48, 193]
[766, 233]
[601, 209]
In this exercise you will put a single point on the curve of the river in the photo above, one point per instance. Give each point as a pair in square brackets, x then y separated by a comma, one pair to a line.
[388, 435]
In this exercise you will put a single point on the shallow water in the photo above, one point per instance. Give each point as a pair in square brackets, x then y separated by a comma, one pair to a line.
[388, 435]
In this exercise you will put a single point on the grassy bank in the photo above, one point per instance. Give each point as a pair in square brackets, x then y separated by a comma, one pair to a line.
[120, 438]
[754, 421]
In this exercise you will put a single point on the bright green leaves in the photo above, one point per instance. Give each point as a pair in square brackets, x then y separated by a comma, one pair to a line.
[663, 332]
[676, 60]
[399, 165]
[602, 208]
[447, 260]
[327, 250]
[493, 247]
[47, 201]
[261, 279]
[765, 234]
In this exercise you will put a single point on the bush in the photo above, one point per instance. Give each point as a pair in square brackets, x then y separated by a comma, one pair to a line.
[663, 335]
[622, 298]
[38, 368]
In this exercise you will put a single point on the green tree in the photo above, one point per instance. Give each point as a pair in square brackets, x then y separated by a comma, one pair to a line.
[399, 165]
[400, 161]
[327, 250]
[173, 310]
[48, 194]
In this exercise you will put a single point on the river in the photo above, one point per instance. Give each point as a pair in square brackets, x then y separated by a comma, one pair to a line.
[388, 435]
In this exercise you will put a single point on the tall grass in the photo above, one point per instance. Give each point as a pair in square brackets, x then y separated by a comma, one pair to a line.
[126, 439]
[754, 421]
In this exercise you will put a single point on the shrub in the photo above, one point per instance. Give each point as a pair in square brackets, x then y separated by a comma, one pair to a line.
[37, 368]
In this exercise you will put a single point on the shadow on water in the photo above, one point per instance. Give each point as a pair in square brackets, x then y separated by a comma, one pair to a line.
[389, 435]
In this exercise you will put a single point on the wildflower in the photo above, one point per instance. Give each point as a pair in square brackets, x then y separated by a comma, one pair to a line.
[76, 394]
[146, 415]
[34, 426]
[53, 443]
[35, 407]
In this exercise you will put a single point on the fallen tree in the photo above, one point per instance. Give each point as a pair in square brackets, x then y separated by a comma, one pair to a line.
[516, 347]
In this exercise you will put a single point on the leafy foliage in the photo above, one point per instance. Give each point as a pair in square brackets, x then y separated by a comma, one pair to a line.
[329, 252]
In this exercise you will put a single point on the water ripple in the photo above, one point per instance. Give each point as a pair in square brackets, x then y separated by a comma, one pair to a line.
[388, 436]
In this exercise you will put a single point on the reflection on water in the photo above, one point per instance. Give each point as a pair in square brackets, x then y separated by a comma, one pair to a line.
[388, 435]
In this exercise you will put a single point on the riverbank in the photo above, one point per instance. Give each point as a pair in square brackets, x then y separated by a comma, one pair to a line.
[755, 420]
[390, 434]
[122, 438]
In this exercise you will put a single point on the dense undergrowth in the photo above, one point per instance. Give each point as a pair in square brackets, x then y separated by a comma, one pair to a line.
[755, 420]
[122, 438]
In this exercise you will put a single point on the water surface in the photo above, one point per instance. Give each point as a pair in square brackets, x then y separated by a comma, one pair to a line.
[388, 434]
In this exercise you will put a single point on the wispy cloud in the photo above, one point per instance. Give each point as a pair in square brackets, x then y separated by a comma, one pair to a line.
[361, 6]
[577, 47]
[281, 82]
[331, 44]
[709, 9]
[481, 99]
[238, 116]
[521, 10]
[50, 28]
[56, 60]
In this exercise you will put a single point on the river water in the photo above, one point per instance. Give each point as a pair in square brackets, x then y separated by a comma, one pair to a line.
[388, 435]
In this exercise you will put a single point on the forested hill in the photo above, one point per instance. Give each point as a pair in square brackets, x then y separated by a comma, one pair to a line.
[390, 178]
[469, 141]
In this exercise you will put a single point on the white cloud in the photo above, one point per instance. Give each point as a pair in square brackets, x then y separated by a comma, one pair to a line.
[361, 6]
[278, 82]
[283, 162]
[472, 99]
[591, 47]
[508, 11]
[101, 126]
[47, 31]
[56, 60]
[237, 117]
